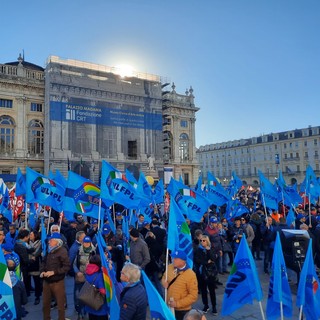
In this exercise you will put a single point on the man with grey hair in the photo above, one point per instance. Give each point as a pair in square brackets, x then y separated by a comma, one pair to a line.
[195, 314]
[133, 298]
[53, 270]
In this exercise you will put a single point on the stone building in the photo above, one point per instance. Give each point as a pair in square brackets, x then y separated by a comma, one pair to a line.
[22, 95]
[72, 115]
[179, 136]
[290, 151]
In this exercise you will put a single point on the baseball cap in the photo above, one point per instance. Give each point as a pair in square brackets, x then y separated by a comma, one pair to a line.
[179, 254]
[213, 219]
[300, 216]
[94, 221]
[55, 235]
[87, 239]
[106, 229]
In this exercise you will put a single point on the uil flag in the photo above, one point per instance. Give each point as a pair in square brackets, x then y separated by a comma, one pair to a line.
[158, 308]
[308, 294]
[243, 285]
[82, 196]
[7, 310]
[279, 289]
[190, 202]
[179, 236]
[115, 187]
[216, 193]
[43, 190]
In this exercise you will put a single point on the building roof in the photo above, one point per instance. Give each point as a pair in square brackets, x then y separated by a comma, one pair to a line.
[26, 64]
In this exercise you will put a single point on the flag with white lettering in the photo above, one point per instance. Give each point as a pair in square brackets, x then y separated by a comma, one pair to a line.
[42, 190]
[115, 187]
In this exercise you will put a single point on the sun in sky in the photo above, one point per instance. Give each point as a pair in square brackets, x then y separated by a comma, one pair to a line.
[124, 70]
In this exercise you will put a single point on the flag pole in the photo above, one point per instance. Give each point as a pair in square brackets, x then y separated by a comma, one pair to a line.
[281, 310]
[261, 309]
[300, 313]
[99, 213]
[49, 217]
[166, 289]
[310, 224]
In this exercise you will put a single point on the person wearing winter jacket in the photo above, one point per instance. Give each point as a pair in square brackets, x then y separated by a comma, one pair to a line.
[133, 298]
[95, 277]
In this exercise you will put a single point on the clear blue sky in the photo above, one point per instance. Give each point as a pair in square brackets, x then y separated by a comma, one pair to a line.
[254, 65]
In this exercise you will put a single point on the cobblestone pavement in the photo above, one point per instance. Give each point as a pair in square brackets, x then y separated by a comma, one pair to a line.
[246, 312]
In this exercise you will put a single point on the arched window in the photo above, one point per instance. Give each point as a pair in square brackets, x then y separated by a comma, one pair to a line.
[184, 147]
[7, 126]
[35, 137]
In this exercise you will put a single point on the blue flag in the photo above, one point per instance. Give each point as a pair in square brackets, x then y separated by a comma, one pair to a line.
[290, 218]
[20, 184]
[235, 184]
[144, 187]
[311, 186]
[308, 294]
[243, 285]
[109, 280]
[158, 308]
[269, 193]
[235, 209]
[179, 236]
[279, 288]
[7, 310]
[82, 196]
[216, 192]
[43, 190]
[4, 199]
[198, 186]
[115, 187]
[190, 202]
[158, 193]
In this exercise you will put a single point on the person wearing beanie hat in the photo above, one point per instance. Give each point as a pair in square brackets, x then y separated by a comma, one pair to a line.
[54, 267]
[139, 251]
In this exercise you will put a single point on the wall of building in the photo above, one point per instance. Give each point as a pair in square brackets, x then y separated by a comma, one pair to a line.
[289, 151]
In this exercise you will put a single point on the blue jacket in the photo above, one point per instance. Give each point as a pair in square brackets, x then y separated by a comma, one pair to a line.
[133, 302]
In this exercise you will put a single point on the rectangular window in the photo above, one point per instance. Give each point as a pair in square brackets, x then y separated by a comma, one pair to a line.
[5, 103]
[186, 178]
[36, 107]
[315, 142]
[184, 123]
[132, 149]
[305, 143]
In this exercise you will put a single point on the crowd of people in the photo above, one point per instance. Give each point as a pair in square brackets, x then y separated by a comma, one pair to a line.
[71, 249]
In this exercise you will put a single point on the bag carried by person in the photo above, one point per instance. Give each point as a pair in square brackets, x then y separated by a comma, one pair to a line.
[91, 296]
[210, 272]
